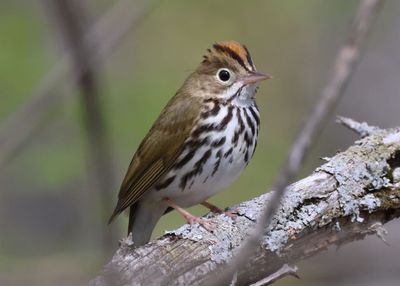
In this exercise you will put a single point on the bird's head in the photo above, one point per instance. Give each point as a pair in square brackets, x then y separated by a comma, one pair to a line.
[227, 73]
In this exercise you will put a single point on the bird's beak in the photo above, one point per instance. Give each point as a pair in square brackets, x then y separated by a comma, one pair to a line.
[255, 77]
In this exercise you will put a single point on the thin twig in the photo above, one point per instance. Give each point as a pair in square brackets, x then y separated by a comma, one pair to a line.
[284, 271]
[344, 67]
[361, 128]
[102, 38]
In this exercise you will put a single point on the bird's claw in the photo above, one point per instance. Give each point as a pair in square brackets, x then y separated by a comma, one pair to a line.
[232, 213]
[207, 224]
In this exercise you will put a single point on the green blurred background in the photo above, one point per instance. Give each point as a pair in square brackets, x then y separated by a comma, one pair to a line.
[50, 224]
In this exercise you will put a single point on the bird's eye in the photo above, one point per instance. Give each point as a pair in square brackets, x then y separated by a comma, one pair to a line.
[224, 75]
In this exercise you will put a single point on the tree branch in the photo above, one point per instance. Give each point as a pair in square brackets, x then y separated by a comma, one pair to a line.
[347, 198]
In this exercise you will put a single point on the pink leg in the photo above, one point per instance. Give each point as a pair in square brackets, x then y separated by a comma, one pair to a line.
[191, 219]
[232, 213]
[212, 207]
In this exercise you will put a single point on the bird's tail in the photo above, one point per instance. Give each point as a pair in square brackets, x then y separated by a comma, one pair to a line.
[131, 218]
[142, 220]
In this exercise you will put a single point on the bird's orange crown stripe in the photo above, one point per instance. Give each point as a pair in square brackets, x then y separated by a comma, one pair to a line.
[235, 47]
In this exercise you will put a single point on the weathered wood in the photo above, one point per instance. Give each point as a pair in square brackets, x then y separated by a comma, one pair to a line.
[347, 198]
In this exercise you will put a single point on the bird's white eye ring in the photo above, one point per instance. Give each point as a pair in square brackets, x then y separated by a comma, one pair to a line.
[224, 75]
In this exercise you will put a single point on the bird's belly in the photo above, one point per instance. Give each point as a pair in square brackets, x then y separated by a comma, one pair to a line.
[211, 181]
[189, 189]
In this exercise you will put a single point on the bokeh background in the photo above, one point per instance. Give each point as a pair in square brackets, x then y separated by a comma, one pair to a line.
[51, 228]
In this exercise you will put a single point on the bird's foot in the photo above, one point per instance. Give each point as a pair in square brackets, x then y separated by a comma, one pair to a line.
[207, 224]
[232, 213]
[191, 219]
[214, 209]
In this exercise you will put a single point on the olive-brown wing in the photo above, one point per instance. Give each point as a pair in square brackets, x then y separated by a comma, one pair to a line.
[158, 151]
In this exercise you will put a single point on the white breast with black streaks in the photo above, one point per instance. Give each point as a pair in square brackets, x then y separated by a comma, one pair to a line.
[216, 153]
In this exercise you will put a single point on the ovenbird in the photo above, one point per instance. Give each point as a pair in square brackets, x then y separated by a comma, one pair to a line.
[200, 143]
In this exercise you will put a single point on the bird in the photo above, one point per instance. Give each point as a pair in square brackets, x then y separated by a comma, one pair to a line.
[201, 142]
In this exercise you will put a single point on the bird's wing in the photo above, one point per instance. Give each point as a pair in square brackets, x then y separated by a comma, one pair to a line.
[159, 150]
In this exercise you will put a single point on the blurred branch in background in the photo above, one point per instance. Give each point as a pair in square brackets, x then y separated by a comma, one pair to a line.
[101, 40]
[344, 67]
[72, 19]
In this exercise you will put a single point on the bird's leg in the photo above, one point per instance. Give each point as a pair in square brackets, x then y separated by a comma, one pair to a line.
[212, 208]
[231, 213]
[191, 219]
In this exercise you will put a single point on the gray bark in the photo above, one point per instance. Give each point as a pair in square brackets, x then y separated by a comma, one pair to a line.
[350, 196]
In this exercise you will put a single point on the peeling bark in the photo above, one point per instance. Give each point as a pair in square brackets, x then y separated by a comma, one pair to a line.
[347, 198]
